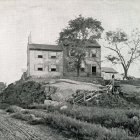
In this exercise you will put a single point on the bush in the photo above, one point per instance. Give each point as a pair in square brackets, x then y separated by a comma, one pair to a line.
[23, 93]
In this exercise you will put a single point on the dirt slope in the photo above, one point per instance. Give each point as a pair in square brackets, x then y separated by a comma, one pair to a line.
[11, 129]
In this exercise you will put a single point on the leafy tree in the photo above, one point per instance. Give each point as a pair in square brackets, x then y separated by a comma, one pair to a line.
[126, 49]
[80, 31]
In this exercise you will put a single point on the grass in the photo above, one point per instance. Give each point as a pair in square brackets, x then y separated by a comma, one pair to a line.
[128, 119]
[14, 109]
[78, 129]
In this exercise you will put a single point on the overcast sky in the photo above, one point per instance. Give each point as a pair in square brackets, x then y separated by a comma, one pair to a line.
[46, 18]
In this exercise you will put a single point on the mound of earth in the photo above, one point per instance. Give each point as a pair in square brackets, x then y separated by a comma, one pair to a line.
[63, 89]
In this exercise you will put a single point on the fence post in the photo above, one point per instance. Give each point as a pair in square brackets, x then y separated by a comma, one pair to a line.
[84, 97]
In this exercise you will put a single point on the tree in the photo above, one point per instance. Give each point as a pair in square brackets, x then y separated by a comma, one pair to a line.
[2, 86]
[80, 31]
[126, 49]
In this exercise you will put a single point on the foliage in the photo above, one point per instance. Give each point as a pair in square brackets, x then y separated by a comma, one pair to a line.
[2, 86]
[126, 48]
[110, 118]
[23, 93]
[74, 127]
[82, 122]
[80, 31]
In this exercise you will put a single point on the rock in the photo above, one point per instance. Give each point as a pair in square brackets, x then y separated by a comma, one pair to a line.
[52, 103]
[63, 107]
[62, 95]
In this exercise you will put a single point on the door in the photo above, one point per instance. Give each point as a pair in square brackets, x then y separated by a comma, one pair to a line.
[93, 70]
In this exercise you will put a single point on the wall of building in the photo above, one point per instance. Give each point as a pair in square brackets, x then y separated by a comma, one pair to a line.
[46, 62]
[94, 61]
[89, 62]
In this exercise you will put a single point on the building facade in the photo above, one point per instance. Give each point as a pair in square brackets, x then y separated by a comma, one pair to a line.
[44, 60]
[91, 65]
[51, 60]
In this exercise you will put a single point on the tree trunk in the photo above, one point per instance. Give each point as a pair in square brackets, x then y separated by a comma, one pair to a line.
[78, 71]
[125, 74]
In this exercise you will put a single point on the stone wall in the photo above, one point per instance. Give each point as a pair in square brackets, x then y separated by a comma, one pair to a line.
[45, 62]
[89, 62]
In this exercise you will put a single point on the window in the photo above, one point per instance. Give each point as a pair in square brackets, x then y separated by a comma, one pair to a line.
[82, 66]
[52, 68]
[52, 55]
[40, 56]
[93, 55]
[38, 67]
[87, 54]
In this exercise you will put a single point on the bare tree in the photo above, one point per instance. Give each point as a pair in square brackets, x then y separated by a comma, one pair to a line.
[126, 49]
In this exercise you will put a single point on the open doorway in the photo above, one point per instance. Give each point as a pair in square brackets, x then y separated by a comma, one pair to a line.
[93, 70]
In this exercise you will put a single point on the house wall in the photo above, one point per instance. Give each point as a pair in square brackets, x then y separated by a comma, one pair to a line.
[90, 61]
[93, 61]
[45, 62]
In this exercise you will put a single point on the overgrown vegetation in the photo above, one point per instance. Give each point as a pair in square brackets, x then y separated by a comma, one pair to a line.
[80, 128]
[23, 93]
[127, 119]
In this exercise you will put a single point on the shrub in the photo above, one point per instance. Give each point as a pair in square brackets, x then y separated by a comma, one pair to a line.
[23, 93]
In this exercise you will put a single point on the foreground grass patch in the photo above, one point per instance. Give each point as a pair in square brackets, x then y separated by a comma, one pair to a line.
[110, 118]
[78, 129]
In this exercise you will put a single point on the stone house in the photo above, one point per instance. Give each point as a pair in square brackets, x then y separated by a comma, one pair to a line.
[91, 66]
[44, 60]
[50, 60]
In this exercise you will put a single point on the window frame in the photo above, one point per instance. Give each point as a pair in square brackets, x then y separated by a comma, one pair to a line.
[50, 68]
[52, 56]
[38, 56]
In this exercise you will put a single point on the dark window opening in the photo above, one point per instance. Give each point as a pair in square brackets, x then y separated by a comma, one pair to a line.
[40, 56]
[93, 55]
[53, 56]
[40, 69]
[53, 69]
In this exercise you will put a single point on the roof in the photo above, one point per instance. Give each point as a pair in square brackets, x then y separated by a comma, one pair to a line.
[44, 47]
[90, 44]
[108, 70]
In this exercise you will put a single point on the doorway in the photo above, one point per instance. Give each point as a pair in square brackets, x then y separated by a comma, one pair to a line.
[93, 70]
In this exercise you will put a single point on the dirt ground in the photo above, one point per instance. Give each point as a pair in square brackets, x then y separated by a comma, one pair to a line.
[12, 129]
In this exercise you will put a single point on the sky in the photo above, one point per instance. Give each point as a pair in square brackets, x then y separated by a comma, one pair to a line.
[46, 18]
